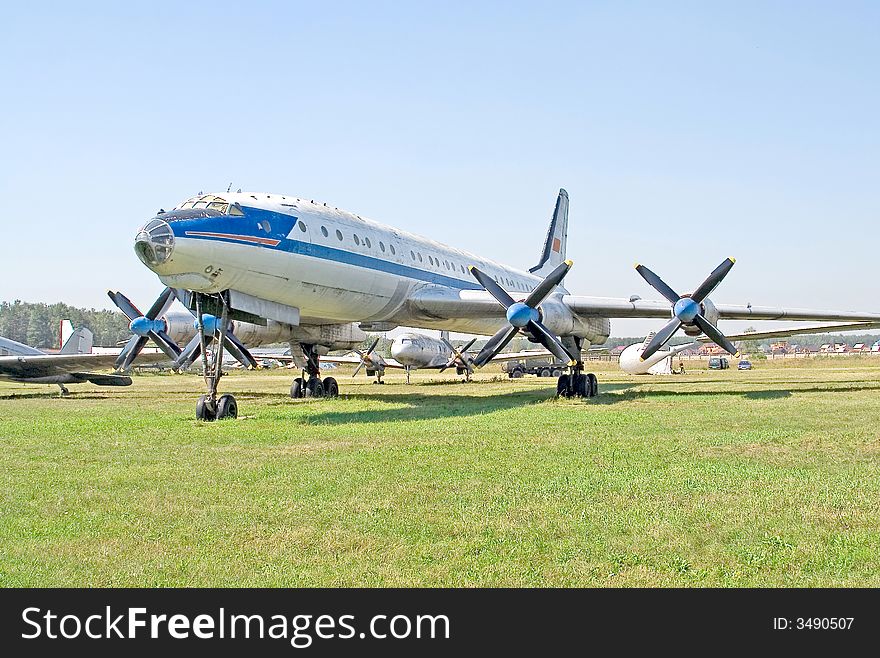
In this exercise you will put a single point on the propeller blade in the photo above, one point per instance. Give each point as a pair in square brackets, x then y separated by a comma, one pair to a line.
[661, 338]
[712, 332]
[165, 344]
[239, 351]
[191, 352]
[658, 284]
[551, 342]
[492, 287]
[124, 304]
[464, 349]
[539, 294]
[128, 353]
[712, 281]
[358, 369]
[372, 347]
[161, 305]
[495, 345]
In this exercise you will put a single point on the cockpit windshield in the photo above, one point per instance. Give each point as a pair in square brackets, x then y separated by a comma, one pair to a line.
[212, 203]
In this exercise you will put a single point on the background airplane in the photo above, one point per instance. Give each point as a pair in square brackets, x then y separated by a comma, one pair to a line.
[71, 365]
[333, 275]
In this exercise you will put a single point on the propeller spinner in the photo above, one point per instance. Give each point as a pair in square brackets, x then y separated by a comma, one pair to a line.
[687, 310]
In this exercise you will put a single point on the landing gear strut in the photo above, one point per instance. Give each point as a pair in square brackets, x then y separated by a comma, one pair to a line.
[310, 385]
[576, 383]
[210, 407]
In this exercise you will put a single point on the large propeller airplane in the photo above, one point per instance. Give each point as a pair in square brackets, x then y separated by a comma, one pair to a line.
[330, 275]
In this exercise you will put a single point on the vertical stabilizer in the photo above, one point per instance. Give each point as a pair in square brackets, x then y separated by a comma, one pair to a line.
[79, 342]
[557, 235]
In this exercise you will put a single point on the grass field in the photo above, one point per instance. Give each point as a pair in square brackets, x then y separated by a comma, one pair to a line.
[769, 477]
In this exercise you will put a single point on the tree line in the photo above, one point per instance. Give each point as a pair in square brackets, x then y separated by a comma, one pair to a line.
[39, 325]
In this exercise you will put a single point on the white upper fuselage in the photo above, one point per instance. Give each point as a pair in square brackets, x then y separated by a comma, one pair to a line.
[332, 265]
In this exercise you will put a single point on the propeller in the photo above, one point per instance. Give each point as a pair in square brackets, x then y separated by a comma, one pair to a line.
[460, 358]
[687, 310]
[211, 326]
[523, 315]
[149, 326]
[367, 359]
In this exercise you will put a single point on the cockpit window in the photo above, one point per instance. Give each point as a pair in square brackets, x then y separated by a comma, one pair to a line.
[212, 203]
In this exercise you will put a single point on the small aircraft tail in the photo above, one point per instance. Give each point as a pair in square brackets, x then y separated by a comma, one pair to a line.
[79, 341]
[557, 236]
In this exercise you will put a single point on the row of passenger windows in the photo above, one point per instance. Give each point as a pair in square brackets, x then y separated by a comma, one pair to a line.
[417, 257]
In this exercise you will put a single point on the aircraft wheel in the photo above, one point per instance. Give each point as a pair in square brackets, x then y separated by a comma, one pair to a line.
[314, 388]
[296, 388]
[545, 372]
[205, 410]
[562, 386]
[580, 387]
[331, 388]
[593, 385]
[227, 407]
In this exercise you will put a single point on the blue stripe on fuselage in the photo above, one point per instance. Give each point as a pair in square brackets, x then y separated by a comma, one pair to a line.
[281, 225]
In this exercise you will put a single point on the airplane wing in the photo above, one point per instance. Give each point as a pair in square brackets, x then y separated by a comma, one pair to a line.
[799, 331]
[47, 365]
[609, 307]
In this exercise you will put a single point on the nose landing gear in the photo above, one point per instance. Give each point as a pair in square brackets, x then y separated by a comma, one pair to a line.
[210, 407]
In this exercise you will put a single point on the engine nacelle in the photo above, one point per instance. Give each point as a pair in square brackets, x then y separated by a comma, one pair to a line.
[559, 319]
[255, 335]
[328, 336]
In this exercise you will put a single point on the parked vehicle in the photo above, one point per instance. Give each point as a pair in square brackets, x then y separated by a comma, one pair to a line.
[745, 364]
[718, 363]
[542, 367]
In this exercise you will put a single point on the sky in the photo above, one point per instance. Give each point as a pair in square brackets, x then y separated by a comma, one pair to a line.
[684, 132]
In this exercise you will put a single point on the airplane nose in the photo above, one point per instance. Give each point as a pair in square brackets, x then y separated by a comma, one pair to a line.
[154, 243]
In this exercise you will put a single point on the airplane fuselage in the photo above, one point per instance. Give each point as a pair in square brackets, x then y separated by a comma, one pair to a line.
[332, 265]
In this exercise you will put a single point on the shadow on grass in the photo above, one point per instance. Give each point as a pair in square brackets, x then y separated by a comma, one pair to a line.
[627, 393]
[425, 407]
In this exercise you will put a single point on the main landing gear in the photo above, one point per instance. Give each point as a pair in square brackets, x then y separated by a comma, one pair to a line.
[310, 385]
[576, 384]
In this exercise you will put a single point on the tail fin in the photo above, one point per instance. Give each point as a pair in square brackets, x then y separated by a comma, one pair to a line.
[557, 236]
[79, 342]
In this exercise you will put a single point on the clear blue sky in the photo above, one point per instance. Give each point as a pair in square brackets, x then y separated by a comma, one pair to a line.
[684, 133]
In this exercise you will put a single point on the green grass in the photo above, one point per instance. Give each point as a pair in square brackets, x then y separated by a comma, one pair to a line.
[767, 477]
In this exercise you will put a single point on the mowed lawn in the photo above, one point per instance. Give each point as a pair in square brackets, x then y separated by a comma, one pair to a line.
[769, 477]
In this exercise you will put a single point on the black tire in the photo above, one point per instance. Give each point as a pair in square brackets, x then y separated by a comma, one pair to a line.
[296, 388]
[227, 407]
[581, 386]
[562, 386]
[204, 410]
[331, 387]
[557, 372]
[516, 374]
[314, 388]
[593, 386]
[545, 372]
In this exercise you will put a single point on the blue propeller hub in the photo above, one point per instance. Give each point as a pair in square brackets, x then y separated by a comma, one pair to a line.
[211, 322]
[686, 309]
[142, 326]
[519, 315]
